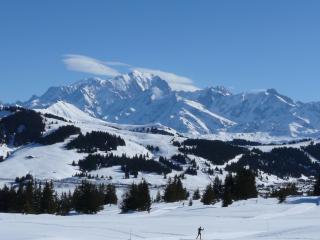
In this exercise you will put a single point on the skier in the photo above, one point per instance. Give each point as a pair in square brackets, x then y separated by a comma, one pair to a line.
[199, 232]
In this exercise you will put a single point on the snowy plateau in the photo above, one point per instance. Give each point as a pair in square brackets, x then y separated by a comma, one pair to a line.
[155, 119]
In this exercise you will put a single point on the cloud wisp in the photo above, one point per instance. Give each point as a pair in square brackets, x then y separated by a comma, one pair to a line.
[81, 63]
[176, 82]
[86, 64]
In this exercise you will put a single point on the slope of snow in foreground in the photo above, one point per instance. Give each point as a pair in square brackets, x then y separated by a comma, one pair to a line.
[250, 220]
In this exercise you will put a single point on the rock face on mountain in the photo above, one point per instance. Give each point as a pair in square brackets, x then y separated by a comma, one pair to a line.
[143, 98]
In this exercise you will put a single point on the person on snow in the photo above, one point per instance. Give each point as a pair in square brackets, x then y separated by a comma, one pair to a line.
[199, 232]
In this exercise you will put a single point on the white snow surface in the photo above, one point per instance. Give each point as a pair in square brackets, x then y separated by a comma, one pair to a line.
[254, 219]
[69, 112]
[43, 162]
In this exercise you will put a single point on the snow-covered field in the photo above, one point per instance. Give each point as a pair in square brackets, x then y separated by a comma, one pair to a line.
[299, 218]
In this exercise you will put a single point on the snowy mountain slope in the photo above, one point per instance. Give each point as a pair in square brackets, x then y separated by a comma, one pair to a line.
[144, 98]
[135, 98]
[55, 161]
[43, 162]
[264, 111]
[68, 112]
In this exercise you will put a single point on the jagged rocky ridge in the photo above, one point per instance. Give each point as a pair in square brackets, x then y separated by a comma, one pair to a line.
[142, 98]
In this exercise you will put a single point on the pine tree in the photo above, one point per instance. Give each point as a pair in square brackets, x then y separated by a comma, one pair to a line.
[282, 196]
[228, 190]
[20, 198]
[110, 195]
[158, 197]
[145, 199]
[196, 194]
[137, 198]
[316, 189]
[87, 198]
[208, 196]
[245, 185]
[4, 199]
[282, 193]
[226, 197]
[37, 198]
[175, 191]
[12, 205]
[48, 199]
[217, 187]
[28, 198]
[64, 204]
[126, 174]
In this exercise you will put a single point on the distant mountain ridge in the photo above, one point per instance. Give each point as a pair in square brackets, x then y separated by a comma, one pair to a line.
[144, 98]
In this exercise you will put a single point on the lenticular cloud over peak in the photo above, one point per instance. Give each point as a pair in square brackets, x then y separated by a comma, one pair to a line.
[86, 64]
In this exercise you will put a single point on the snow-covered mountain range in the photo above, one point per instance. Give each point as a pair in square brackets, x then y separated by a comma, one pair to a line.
[144, 98]
[22, 151]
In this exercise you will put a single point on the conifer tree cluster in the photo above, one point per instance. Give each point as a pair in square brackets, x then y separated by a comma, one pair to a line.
[239, 187]
[59, 135]
[242, 186]
[282, 162]
[212, 193]
[155, 130]
[137, 198]
[313, 150]
[282, 193]
[23, 126]
[191, 171]
[34, 198]
[170, 164]
[153, 148]
[179, 158]
[130, 165]
[209, 196]
[217, 152]
[49, 115]
[29, 197]
[96, 140]
[110, 196]
[174, 190]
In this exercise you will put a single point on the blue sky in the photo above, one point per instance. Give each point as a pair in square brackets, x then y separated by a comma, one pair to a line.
[243, 45]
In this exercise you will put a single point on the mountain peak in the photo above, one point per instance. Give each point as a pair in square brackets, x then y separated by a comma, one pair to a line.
[140, 74]
[175, 82]
[221, 90]
[272, 91]
[142, 97]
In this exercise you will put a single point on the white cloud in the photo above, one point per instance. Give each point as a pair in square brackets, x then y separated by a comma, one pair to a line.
[176, 82]
[120, 64]
[81, 63]
[86, 64]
